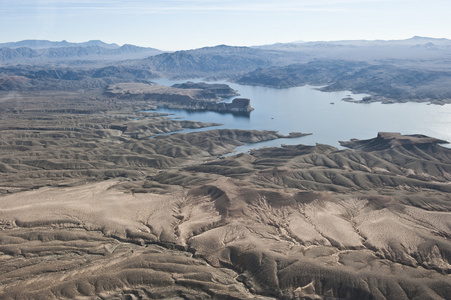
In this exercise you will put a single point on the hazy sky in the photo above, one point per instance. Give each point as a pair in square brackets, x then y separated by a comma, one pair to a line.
[187, 24]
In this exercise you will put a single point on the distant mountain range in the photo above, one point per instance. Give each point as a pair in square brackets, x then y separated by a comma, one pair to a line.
[414, 41]
[40, 44]
[41, 51]
[414, 48]
[416, 69]
[225, 59]
[213, 62]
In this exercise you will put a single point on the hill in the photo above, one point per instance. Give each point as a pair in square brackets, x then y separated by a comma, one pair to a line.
[212, 62]
[384, 82]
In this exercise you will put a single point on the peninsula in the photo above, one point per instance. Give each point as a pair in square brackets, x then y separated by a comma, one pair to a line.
[191, 98]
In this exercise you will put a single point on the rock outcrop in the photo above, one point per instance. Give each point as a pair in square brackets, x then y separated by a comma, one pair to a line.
[180, 98]
[219, 89]
[386, 140]
[239, 105]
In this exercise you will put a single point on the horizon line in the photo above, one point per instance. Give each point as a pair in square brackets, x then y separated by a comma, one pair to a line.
[231, 45]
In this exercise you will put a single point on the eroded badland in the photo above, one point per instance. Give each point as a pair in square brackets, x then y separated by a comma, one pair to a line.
[95, 206]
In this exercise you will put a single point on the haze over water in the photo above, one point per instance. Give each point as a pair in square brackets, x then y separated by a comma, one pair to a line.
[304, 109]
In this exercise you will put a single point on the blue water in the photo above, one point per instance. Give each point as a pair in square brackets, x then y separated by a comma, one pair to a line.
[307, 110]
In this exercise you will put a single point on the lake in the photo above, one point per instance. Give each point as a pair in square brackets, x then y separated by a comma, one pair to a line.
[307, 110]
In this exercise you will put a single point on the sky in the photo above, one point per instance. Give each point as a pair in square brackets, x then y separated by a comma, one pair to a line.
[189, 24]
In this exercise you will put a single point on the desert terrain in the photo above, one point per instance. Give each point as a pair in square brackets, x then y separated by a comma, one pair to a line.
[96, 204]
[103, 197]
